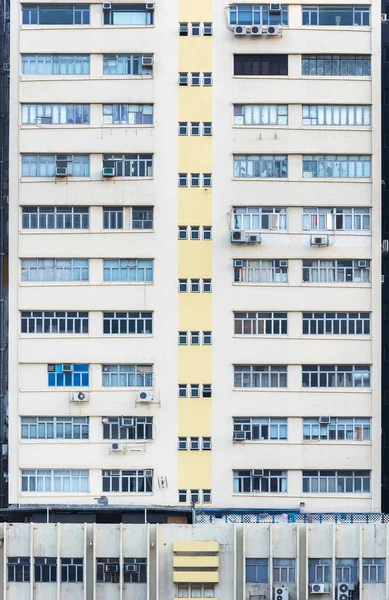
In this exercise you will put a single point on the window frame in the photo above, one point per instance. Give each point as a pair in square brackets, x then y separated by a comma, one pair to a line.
[335, 376]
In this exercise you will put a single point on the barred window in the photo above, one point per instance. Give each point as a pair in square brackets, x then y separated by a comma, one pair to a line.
[127, 64]
[336, 271]
[55, 14]
[334, 167]
[128, 428]
[350, 428]
[128, 14]
[45, 570]
[258, 218]
[55, 269]
[260, 376]
[55, 480]
[18, 569]
[195, 590]
[128, 114]
[55, 64]
[335, 16]
[263, 166]
[142, 217]
[256, 428]
[68, 375]
[373, 570]
[336, 65]
[135, 570]
[45, 165]
[54, 322]
[128, 269]
[113, 217]
[340, 219]
[260, 271]
[53, 114]
[72, 570]
[336, 114]
[55, 217]
[260, 480]
[127, 375]
[260, 323]
[330, 376]
[284, 570]
[128, 323]
[320, 570]
[336, 323]
[130, 165]
[336, 482]
[59, 428]
[248, 65]
[139, 481]
[107, 570]
[346, 570]
[257, 15]
[260, 114]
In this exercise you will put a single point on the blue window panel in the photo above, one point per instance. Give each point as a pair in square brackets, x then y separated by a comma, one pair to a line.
[58, 368]
[77, 379]
[81, 368]
[52, 379]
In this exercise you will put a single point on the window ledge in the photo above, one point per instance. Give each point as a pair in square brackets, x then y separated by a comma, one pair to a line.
[340, 442]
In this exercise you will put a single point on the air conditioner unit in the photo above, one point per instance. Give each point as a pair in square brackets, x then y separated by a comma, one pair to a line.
[239, 435]
[319, 240]
[107, 6]
[256, 30]
[117, 447]
[238, 263]
[324, 420]
[283, 263]
[111, 568]
[131, 568]
[274, 7]
[108, 171]
[61, 172]
[273, 30]
[145, 396]
[238, 236]
[127, 421]
[162, 482]
[319, 588]
[281, 593]
[67, 368]
[240, 30]
[148, 472]
[385, 245]
[150, 6]
[257, 472]
[253, 238]
[343, 590]
[79, 397]
[362, 264]
[147, 61]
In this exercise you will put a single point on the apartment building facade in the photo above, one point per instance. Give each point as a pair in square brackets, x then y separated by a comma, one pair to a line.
[195, 254]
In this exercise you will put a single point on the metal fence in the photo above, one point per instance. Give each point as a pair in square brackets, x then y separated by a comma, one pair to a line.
[341, 518]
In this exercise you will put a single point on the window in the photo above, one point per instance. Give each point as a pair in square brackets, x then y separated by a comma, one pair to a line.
[183, 180]
[18, 569]
[195, 78]
[336, 65]
[193, 390]
[336, 271]
[72, 570]
[207, 180]
[207, 495]
[336, 482]
[194, 443]
[128, 114]
[319, 570]
[254, 65]
[55, 14]
[194, 232]
[207, 128]
[284, 570]
[196, 29]
[346, 570]
[194, 338]
[206, 443]
[248, 166]
[195, 590]
[120, 428]
[183, 128]
[207, 79]
[113, 218]
[45, 570]
[207, 285]
[45, 165]
[55, 64]
[56, 114]
[260, 271]
[127, 375]
[260, 323]
[340, 219]
[207, 29]
[183, 79]
[182, 495]
[66, 375]
[260, 480]
[183, 443]
[195, 496]
[55, 480]
[140, 481]
[183, 232]
[257, 429]
[259, 218]
[55, 217]
[182, 337]
[257, 570]
[355, 428]
[55, 269]
[142, 217]
[207, 390]
[260, 376]
[59, 428]
[128, 14]
[207, 338]
[336, 323]
[128, 64]
[194, 285]
[373, 570]
[195, 128]
[324, 376]
[135, 570]
[334, 167]
[130, 165]
[343, 16]
[128, 323]
[182, 390]
[257, 15]
[260, 114]
[336, 114]
[107, 570]
[129, 270]
[54, 322]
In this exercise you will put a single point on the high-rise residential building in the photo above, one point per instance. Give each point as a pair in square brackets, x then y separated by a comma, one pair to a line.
[195, 255]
